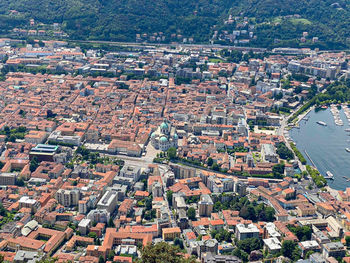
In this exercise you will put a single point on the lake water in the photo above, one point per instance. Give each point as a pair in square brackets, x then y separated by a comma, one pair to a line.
[325, 145]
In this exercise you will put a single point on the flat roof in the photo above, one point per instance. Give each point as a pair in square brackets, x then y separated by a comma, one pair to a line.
[45, 148]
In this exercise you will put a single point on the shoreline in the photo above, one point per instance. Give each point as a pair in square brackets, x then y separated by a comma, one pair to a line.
[304, 114]
[330, 185]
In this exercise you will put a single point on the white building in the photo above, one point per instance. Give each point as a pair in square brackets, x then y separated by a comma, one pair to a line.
[56, 136]
[131, 171]
[84, 226]
[273, 245]
[268, 153]
[246, 231]
[108, 201]
[271, 231]
[99, 215]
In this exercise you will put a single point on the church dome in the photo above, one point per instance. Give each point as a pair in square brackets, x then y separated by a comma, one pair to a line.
[163, 140]
[164, 126]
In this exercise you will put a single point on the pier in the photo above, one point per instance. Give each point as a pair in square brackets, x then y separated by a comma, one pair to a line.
[308, 156]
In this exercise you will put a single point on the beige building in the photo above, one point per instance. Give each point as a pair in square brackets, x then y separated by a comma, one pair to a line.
[67, 198]
[205, 205]
[124, 147]
[306, 210]
[171, 233]
[325, 209]
[7, 178]
[36, 137]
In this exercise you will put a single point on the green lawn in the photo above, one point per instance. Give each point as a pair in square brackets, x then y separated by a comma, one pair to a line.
[216, 60]
[302, 21]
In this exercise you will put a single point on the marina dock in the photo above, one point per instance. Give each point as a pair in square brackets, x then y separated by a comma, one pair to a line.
[336, 115]
[308, 156]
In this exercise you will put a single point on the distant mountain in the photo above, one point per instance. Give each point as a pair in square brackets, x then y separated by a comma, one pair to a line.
[270, 22]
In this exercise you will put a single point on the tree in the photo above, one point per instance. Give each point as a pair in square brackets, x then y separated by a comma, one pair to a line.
[50, 114]
[110, 222]
[169, 197]
[251, 213]
[244, 212]
[148, 203]
[288, 247]
[270, 214]
[111, 255]
[7, 130]
[33, 164]
[191, 213]
[41, 43]
[347, 241]
[210, 161]
[279, 96]
[20, 182]
[303, 233]
[278, 168]
[172, 153]
[262, 216]
[92, 235]
[240, 254]
[284, 152]
[3, 211]
[215, 167]
[178, 242]
[221, 235]
[149, 214]
[163, 252]
[249, 244]
[46, 260]
[12, 138]
[21, 129]
[309, 253]
[296, 254]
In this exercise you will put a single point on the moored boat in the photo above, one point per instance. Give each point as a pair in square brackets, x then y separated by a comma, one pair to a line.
[321, 123]
[329, 176]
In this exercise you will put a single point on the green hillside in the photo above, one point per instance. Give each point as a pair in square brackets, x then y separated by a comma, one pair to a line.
[272, 22]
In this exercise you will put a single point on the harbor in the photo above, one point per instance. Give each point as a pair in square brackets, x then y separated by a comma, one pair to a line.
[336, 115]
[324, 147]
[347, 113]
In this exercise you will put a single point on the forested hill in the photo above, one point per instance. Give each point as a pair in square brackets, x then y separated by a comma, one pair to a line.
[267, 23]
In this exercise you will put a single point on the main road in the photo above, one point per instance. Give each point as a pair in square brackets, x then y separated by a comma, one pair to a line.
[149, 45]
[282, 130]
